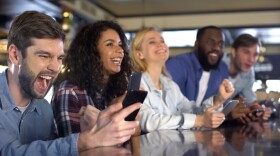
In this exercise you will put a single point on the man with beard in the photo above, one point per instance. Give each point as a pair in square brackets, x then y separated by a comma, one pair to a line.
[35, 50]
[199, 73]
[244, 54]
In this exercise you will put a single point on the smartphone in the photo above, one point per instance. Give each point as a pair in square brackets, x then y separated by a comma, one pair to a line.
[131, 98]
[254, 112]
[134, 95]
[134, 81]
[229, 106]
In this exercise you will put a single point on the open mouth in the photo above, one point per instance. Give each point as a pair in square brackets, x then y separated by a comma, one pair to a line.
[117, 60]
[213, 57]
[247, 66]
[213, 54]
[43, 82]
[162, 52]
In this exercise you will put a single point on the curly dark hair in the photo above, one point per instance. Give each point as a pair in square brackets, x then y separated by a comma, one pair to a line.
[83, 64]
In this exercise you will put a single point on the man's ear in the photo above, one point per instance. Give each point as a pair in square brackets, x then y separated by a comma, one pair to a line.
[233, 53]
[196, 45]
[14, 54]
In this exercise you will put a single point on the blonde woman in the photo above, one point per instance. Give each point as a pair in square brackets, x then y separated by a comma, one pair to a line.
[165, 106]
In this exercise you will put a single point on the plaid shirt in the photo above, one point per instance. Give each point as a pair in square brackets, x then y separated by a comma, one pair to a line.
[67, 102]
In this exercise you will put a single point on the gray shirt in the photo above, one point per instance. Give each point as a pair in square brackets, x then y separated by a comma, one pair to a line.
[243, 85]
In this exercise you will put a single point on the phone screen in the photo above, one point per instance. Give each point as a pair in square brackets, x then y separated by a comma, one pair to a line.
[131, 98]
[229, 106]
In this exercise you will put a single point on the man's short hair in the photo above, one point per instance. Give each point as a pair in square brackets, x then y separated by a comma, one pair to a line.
[245, 40]
[202, 30]
[33, 24]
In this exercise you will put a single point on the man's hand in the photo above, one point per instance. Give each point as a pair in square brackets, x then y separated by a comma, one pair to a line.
[267, 113]
[238, 111]
[244, 113]
[225, 91]
[110, 128]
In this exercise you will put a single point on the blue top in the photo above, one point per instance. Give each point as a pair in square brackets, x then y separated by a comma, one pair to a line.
[30, 132]
[186, 71]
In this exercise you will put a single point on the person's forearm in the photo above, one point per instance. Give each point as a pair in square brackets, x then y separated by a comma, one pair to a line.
[218, 100]
[198, 121]
[60, 146]
[83, 143]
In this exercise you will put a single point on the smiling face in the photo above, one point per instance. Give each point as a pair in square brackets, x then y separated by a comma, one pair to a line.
[210, 49]
[153, 49]
[41, 66]
[244, 58]
[111, 52]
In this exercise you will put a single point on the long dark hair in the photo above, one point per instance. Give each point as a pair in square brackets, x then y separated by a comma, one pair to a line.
[83, 65]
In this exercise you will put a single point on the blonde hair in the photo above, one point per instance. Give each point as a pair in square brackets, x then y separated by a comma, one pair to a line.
[138, 64]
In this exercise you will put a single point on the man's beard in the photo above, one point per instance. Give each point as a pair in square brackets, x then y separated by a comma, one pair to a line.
[203, 59]
[27, 79]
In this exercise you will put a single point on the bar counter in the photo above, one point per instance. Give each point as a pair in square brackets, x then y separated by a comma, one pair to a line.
[230, 139]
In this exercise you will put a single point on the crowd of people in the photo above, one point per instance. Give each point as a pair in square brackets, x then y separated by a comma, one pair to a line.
[187, 91]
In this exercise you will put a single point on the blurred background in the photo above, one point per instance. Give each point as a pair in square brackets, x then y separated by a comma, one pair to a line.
[178, 19]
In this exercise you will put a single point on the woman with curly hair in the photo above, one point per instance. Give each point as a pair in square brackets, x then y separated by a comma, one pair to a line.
[97, 67]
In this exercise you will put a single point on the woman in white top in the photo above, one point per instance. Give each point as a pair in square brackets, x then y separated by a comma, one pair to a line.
[165, 107]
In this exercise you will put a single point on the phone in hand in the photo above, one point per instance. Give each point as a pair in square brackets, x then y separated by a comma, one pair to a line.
[256, 111]
[134, 95]
[229, 106]
[131, 98]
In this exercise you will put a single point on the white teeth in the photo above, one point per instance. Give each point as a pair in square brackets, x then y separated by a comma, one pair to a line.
[213, 54]
[46, 77]
[116, 60]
